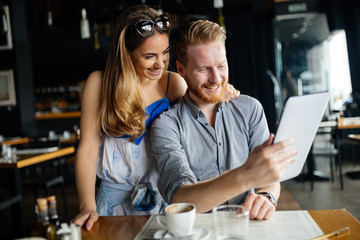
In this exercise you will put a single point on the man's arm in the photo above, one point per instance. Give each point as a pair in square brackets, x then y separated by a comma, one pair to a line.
[265, 165]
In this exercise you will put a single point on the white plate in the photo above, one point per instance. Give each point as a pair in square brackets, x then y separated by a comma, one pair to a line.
[198, 232]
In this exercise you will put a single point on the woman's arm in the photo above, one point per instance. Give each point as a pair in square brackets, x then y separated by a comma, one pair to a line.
[86, 155]
[230, 93]
[178, 87]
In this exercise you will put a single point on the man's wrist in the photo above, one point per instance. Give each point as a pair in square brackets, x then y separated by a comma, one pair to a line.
[270, 197]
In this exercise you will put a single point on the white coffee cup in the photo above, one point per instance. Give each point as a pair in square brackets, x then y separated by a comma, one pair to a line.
[179, 219]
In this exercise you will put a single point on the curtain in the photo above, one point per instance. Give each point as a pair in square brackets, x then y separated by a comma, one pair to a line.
[250, 52]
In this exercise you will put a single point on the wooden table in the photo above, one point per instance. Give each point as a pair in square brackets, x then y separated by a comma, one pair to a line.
[31, 159]
[354, 137]
[348, 123]
[25, 161]
[126, 227]
[15, 141]
[51, 115]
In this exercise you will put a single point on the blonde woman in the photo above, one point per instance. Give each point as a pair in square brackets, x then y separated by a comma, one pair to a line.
[118, 106]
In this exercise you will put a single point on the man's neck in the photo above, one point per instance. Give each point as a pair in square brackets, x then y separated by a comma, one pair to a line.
[209, 109]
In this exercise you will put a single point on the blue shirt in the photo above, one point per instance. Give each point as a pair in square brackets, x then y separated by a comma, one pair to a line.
[153, 111]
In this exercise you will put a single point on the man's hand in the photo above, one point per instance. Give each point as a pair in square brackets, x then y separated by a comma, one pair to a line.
[268, 162]
[86, 218]
[230, 93]
[260, 207]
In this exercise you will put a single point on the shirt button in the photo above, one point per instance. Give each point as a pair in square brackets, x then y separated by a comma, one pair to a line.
[219, 143]
[206, 124]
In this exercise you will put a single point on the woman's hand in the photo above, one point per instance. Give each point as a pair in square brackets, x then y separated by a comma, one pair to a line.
[86, 219]
[230, 93]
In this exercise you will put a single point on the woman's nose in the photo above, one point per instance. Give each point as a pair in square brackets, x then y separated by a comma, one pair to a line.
[160, 63]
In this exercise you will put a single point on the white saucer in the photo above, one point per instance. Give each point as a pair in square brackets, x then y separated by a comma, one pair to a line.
[198, 232]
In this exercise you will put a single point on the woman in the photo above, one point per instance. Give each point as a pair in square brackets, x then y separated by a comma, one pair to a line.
[118, 105]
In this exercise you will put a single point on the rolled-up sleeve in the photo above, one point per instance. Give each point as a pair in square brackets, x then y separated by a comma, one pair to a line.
[171, 160]
[258, 127]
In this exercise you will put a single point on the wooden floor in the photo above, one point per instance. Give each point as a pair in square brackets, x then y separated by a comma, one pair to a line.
[286, 201]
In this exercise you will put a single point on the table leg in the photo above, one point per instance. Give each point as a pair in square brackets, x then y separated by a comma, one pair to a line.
[312, 174]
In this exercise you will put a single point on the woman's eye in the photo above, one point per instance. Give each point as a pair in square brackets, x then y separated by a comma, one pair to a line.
[149, 57]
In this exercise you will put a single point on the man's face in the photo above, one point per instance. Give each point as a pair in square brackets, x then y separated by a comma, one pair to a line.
[206, 72]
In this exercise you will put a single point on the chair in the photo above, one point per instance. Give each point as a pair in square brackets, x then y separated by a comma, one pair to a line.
[324, 147]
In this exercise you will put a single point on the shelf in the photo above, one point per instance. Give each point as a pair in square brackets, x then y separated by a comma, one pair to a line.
[44, 116]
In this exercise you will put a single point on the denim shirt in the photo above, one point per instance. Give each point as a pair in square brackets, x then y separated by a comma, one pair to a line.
[187, 149]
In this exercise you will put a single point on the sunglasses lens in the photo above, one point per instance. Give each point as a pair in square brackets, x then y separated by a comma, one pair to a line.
[163, 24]
[145, 28]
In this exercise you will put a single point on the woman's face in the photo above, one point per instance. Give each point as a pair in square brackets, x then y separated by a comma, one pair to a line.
[150, 57]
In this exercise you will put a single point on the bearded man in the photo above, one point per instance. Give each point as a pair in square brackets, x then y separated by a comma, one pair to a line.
[210, 152]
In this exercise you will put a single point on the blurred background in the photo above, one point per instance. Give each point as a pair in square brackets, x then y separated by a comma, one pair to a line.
[315, 43]
[275, 48]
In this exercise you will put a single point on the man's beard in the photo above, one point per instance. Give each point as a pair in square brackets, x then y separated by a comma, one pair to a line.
[213, 98]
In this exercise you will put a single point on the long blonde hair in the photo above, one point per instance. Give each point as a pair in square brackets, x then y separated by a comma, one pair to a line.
[122, 107]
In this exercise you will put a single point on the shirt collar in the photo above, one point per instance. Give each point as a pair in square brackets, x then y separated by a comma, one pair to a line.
[195, 111]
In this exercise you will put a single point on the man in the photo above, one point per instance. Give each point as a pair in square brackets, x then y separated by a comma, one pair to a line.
[202, 145]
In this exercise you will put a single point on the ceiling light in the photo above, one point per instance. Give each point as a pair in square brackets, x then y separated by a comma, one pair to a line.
[84, 25]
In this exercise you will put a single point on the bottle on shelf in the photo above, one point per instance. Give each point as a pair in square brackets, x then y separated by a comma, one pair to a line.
[53, 216]
[44, 227]
[76, 132]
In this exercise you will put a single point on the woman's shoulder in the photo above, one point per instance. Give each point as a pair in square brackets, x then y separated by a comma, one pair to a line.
[94, 80]
[95, 76]
[177, 86]
[93, 84]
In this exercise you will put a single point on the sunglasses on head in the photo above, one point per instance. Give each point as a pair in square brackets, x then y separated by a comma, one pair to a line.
[146, 27]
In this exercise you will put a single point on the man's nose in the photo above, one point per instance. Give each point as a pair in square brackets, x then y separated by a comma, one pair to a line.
[215, 76]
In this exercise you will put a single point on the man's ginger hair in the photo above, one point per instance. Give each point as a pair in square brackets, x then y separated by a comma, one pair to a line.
[198, 32]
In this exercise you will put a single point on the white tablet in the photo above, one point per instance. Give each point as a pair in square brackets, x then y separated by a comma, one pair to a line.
[300, 120]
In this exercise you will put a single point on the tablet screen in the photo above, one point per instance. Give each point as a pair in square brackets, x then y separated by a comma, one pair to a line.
[300, 120]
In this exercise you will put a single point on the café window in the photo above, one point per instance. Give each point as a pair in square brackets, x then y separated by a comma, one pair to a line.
[311, 59]
[329, 65]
